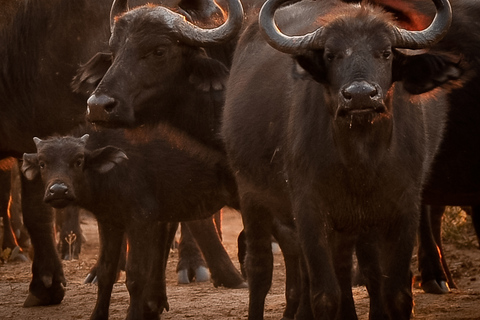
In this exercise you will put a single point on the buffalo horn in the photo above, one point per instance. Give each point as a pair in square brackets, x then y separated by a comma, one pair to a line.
[429, 36]
[196, 36]
[118, 7]
[313, 40]
[278, 40]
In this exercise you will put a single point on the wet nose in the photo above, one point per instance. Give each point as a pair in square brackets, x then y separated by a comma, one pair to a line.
[58, 190]
[100, 106]
[360, 92]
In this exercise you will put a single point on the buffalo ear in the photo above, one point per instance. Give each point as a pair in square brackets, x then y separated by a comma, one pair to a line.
[425, 72]
[91, 73]
[30, 167]
[105, 159]
[208, 74]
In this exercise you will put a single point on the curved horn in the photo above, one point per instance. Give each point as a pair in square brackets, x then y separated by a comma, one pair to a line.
[434, 33]
[196, 36]
[118, 7]
[278, 40]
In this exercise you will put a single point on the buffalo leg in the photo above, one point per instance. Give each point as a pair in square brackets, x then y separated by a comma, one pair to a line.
[315, 236]
[155, 296]
[436, 215]
[68, 222]
[369, 266]
[343, 262]
[287, 240]
[111, 239]
[92, 274]
[145, 269]
[220, 265]
[9, 241]
[191, 264]
[396, 254]
[242, 251]
[259, 258]
[429, 260]
[476, 221]
[48, 280]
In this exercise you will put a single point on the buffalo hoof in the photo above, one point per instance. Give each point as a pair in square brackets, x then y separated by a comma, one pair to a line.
[242, 285]
[202, 274]
[182, 277]
[276, 248]
[51, 298]
[435, 287]
[14, 254]
[90, 278]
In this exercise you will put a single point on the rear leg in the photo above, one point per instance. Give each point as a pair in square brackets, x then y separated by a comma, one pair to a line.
[434, 279]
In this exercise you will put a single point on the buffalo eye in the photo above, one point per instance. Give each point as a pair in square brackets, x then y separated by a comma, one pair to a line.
[386, 54]
[79, 163]
[329, 56]
[42, 165]
[159, 52]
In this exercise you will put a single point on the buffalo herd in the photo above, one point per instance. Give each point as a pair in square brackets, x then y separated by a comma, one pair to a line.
[334, 127]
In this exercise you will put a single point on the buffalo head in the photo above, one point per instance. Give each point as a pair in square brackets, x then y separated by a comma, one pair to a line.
[61, 162]
[157, 59]
[355, 55]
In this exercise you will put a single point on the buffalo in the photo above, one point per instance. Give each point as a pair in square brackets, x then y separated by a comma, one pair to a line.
[455, 174]
[42, 46]
[331, 125]
[44, 42]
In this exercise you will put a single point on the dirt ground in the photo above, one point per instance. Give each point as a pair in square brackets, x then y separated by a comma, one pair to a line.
[203, 301]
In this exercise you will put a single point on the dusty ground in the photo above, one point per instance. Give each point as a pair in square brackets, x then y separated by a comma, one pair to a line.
[203, 301]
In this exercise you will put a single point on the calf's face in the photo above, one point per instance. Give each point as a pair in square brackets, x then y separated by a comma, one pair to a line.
[62, 164]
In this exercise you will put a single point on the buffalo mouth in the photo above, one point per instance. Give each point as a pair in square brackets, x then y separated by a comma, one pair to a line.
[112, 122]
[58, 203]
[362, 112]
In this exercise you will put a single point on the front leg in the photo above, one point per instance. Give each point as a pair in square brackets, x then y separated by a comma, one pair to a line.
[111, 239]
[48, 280]
[257, 222]
[396, 254]
[315, 236]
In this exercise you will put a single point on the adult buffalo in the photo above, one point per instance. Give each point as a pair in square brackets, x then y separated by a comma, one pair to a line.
[335, 128]
[455, 177]
[42, 45]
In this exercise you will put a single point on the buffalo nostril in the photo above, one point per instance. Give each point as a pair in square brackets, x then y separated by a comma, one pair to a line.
[101, 102]
[58, 189]
[359, 90]
[347, 95]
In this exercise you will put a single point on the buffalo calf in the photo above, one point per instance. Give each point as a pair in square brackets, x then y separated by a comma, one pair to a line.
[140, 183]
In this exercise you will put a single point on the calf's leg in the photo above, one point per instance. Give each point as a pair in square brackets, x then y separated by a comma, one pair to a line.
[111, 239]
